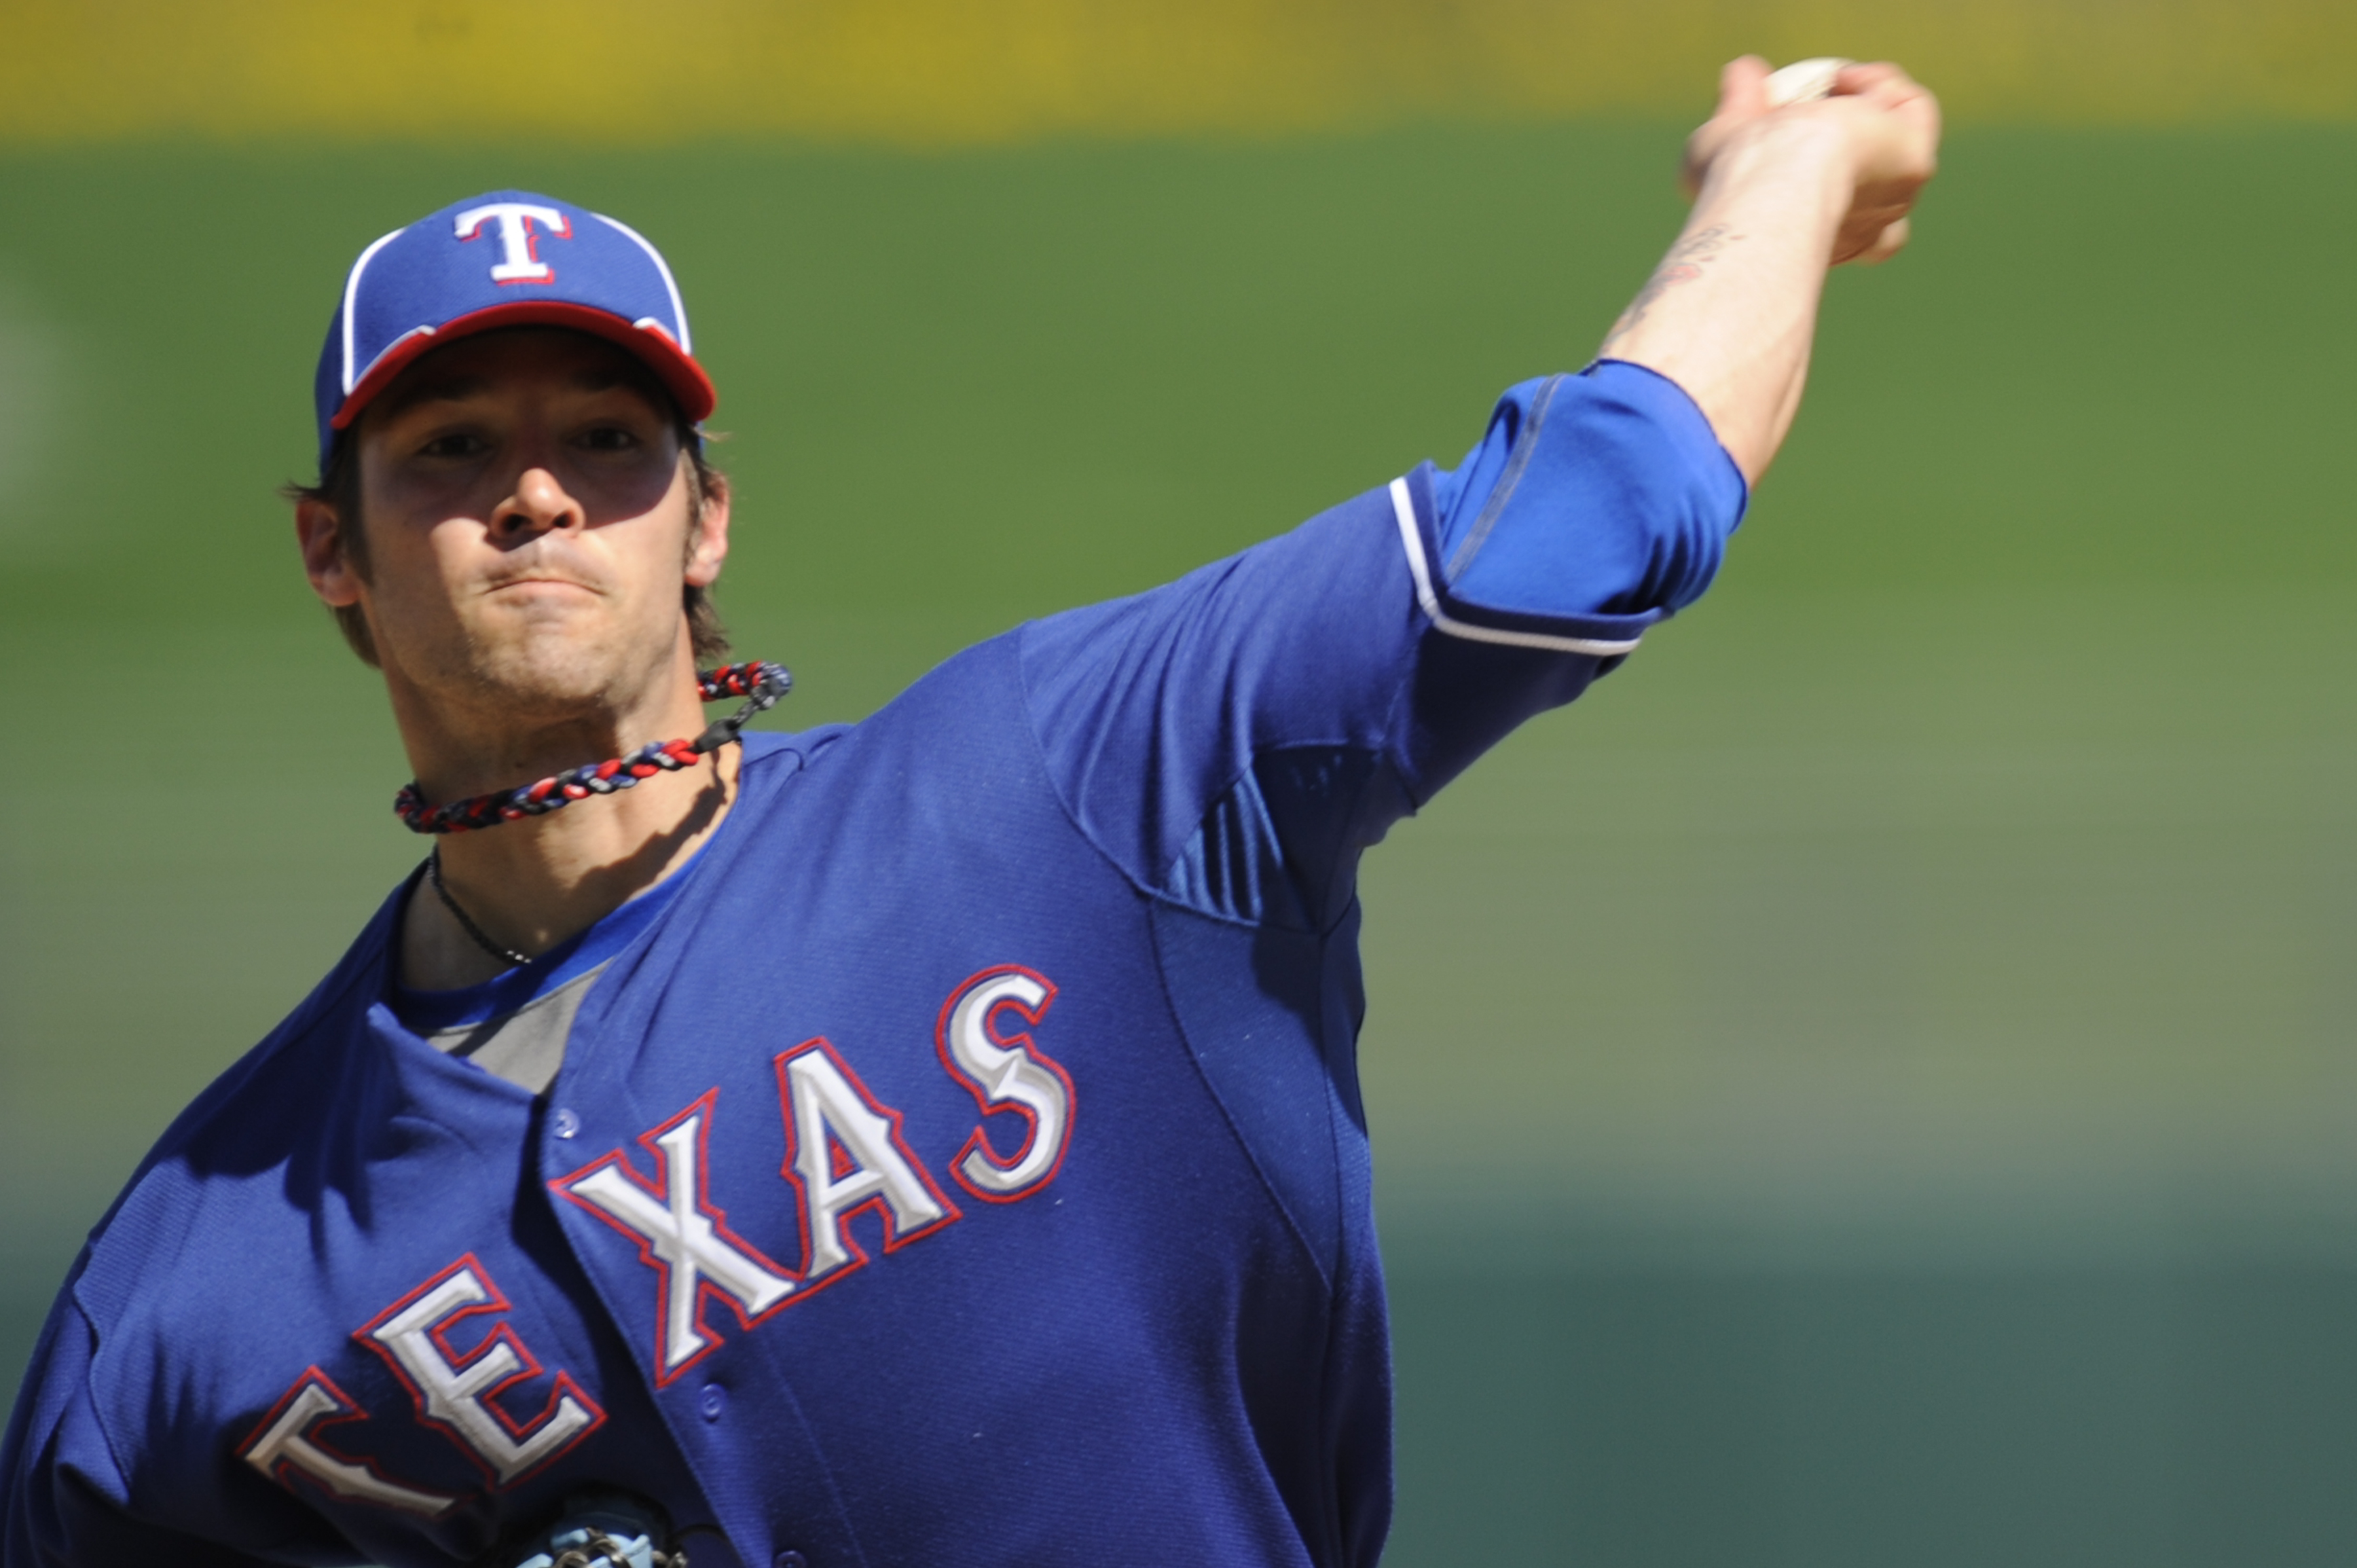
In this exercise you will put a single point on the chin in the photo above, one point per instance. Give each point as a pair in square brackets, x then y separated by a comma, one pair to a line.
[560, 662]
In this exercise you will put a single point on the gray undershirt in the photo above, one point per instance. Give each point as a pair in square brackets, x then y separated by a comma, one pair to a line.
[525, 1046]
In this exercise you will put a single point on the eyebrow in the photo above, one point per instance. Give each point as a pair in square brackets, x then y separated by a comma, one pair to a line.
[443, 389]
[623, 378]
[459, 388]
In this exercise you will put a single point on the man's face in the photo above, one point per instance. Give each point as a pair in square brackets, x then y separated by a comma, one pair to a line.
[530, 524]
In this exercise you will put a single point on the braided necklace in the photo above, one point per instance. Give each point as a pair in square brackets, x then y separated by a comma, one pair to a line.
[761, 683]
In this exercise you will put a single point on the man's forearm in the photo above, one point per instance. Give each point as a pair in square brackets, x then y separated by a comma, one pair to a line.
[1730, 312]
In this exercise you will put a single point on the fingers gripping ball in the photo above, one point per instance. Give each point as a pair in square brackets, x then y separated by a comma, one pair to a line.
[1806, 80]
[1894, 134]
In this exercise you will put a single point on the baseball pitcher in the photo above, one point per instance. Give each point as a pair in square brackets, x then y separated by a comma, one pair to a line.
[929, 1141]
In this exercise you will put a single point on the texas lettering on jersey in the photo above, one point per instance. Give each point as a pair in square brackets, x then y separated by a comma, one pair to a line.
[844, 1156]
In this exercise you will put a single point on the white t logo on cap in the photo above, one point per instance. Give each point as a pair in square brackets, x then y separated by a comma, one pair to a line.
[518, 263]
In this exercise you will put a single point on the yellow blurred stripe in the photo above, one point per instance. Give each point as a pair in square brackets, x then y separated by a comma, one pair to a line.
[941, 71]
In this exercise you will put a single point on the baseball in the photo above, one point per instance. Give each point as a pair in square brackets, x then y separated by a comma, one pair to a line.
[1805, 80]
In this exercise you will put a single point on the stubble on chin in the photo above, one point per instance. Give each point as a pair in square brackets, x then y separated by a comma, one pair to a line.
[529, 663]
[549, 663]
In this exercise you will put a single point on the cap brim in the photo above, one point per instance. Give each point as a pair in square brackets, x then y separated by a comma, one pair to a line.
[648, 340]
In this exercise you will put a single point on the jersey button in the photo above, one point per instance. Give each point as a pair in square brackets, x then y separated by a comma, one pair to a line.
[790, 1559]
[563, 1122]
[715, 1400]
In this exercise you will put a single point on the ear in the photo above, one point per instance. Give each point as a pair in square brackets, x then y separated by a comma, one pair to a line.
[320, 533]
[708, 547]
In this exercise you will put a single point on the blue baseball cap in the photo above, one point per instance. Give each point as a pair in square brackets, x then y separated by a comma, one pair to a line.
[506, 259]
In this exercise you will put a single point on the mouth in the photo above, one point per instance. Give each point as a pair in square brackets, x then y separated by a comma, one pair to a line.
[536, 583]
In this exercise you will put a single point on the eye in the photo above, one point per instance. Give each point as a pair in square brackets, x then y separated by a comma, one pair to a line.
[609, 438]
[457, 443]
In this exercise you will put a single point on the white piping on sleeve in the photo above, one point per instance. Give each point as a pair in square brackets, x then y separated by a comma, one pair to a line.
[678, 306]
[352, 300]
[1412, 540]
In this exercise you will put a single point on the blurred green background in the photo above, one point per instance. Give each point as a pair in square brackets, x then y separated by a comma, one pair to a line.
[1900, 1097]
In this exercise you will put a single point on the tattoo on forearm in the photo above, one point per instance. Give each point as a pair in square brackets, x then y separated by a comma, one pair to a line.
[1683, 264]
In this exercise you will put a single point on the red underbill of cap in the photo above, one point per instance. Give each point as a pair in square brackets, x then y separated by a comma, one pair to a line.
[652, 345]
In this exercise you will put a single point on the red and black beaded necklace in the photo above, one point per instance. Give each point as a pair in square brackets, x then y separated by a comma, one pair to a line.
[759, 682]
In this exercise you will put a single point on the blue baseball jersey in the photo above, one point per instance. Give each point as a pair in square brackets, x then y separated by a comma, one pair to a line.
[961, 1160]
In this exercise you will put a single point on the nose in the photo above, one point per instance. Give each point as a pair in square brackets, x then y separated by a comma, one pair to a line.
[539, 504]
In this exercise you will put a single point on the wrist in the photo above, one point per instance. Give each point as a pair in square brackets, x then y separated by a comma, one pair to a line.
[1793, 148]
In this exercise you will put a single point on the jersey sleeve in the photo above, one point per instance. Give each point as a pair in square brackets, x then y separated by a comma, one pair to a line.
[64, 1502]
[1606, 492]
[1233, 738]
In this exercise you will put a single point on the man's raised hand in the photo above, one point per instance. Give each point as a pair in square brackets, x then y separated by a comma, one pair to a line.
[1889, 125]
